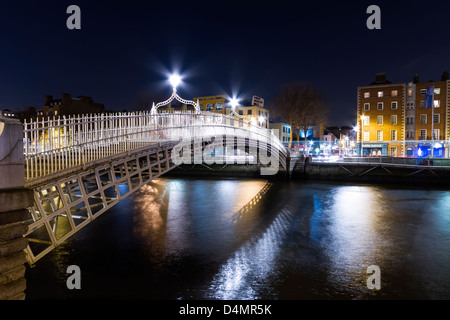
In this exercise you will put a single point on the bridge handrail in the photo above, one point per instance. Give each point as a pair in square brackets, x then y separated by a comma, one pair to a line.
[63, 142]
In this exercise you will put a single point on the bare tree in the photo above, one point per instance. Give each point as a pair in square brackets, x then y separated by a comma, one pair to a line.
[302, 106]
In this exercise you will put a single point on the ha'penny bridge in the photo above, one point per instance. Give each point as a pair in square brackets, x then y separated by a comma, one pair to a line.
[60, 174]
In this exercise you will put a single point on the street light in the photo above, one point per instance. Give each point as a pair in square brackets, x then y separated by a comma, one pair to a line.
[261, 119]
[234, 102]
[175, 80]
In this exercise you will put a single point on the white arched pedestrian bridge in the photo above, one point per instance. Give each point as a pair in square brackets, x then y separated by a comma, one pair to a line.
[80, 166]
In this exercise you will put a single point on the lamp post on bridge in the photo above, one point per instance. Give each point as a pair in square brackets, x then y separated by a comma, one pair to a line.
[175, 80]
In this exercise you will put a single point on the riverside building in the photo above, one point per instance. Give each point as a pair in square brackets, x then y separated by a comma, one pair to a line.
[393, 118]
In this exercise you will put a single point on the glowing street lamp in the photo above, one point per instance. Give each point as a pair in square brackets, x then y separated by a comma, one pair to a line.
[261, 119]
[234, 102]
[175, 80]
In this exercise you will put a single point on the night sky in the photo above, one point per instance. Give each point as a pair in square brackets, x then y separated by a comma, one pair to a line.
[122, 55]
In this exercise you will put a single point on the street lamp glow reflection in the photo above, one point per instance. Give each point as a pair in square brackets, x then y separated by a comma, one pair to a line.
[175, 80]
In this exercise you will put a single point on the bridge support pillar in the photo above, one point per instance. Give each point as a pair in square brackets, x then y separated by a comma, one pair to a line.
[14, 201]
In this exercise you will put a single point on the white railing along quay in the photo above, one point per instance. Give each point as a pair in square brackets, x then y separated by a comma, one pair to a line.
[60, 143]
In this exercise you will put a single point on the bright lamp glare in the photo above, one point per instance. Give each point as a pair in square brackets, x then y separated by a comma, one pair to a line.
[234, 102]
[261, 119]
[175, 80]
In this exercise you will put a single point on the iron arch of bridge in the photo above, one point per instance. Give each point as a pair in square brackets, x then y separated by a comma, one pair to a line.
[96, 161]
[175, 96]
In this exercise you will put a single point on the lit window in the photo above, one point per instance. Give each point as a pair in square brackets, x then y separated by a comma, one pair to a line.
[380, 94]
[437, 103]
[366, 120]
[366, 136]
[380, 135]
[437, 90]
[380, 120]
[393, 135]
[410, 92]
[394, 93]
[366, 94]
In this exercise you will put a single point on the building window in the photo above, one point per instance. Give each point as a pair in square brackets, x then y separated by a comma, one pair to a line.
[380, 94]
[380, 120]
[437, 90]
[393, 135]
[423, 134]
[422, 103]
[380, 135]
[423, 119]
[394, 120]
[380, 106]
[394, 93]
[366, 106]
[366, 136]
[249, 111]
[219, 106]
[423, 92]
[209, 107]
[394, 105]
[366, 121]
[410, 92]
[436, 118]
[437, 103]
[241, 112]
[436, 134]
[366, 94]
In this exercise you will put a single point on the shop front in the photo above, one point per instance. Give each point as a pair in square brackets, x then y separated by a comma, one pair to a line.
[424, 150]
[372, 149]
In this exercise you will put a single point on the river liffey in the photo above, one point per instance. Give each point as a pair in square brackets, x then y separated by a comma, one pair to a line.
[237, 239]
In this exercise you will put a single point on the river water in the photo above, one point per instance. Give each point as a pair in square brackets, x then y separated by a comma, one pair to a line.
[181, 238]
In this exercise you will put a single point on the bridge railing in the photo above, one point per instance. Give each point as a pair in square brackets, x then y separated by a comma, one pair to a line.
[58, 143]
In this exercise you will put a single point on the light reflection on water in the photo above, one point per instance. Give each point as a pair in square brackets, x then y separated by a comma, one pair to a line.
[244, 275]
[249, 239]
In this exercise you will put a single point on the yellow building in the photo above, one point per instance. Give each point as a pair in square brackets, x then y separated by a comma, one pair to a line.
[250, 111]
[254, 114]
[393, 119]
[215, 103]
[381, 119]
